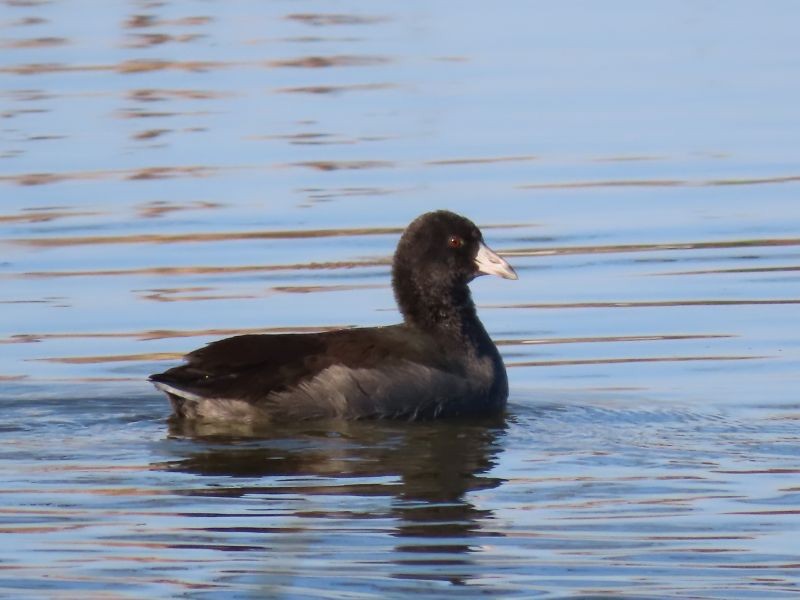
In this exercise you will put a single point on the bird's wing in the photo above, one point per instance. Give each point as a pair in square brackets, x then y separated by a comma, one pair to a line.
[249, 367]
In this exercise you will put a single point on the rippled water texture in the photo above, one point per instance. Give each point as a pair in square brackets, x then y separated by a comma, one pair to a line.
[175, 172]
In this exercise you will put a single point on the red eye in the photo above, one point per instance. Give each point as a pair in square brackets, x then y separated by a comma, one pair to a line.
[455, 242]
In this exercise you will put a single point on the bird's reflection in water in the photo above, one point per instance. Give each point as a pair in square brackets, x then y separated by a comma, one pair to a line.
[425, 470]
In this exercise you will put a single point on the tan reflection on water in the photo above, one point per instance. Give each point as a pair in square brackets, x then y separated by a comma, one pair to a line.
[132, 66]
[480, 160]
[143, 21]
[337, 89]
[184, 294]
[144, 356]
[651, 303]
[204, 237]
[27, 21]
[612, 338]
[46, 215]
[321, 62]
[313, 289]
[150, 65]
[318, 138]
[338, 165]
[159, 208]
[164, 94]
[185, 171]
[661, 183]
[614, 248]
[149, 40]
[160, 334]
[150, 134]
[199, 293]
[145, 173]
[322, 194]
[733, 270]
[638, 359]
[207, 270]
[40, 42]
[325, 19]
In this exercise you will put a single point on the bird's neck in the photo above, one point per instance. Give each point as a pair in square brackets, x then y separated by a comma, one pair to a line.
[439, 308]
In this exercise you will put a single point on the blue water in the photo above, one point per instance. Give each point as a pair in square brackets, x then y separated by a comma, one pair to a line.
[173, 173]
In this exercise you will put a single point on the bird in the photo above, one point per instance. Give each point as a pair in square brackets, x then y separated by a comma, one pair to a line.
[439, 362]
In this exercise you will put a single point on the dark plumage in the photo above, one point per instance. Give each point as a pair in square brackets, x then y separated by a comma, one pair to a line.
[439, 362]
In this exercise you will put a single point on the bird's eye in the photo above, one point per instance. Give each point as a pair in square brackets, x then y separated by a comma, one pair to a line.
[455, 242]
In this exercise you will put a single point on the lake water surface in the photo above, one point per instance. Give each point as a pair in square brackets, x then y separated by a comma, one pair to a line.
[176, 172]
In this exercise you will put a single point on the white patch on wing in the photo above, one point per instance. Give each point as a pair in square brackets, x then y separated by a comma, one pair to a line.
[228, 410]
[167, 388]
[212, 409]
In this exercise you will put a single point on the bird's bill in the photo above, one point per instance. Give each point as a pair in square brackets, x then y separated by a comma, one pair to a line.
[490, 263]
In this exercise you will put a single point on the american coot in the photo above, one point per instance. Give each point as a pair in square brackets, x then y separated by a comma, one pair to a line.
[439, 362]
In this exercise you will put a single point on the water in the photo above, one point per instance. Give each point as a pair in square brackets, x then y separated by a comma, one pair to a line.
[172, 173]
